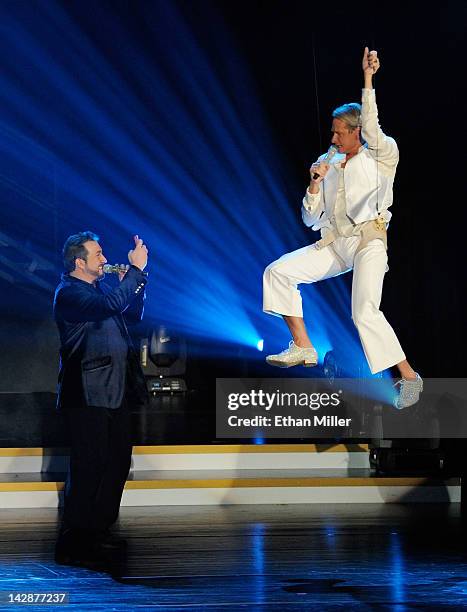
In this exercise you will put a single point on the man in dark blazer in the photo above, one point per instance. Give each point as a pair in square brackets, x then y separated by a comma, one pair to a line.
[99, 379]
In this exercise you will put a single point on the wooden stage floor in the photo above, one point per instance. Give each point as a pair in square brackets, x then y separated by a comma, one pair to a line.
[279, 558]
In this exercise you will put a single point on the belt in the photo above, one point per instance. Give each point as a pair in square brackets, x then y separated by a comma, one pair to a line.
[370, 230]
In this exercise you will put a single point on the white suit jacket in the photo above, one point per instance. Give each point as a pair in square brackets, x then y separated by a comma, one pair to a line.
[368, 176]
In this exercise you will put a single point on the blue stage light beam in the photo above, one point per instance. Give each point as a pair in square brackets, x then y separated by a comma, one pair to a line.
[161, 134]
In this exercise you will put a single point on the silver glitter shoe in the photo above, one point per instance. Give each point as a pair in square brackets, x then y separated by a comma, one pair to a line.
[409, 392]
[294, 355]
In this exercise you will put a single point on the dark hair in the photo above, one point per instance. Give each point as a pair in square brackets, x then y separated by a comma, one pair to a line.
[74, 248]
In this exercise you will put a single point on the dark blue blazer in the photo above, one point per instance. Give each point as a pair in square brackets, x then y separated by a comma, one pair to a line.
[98, 363]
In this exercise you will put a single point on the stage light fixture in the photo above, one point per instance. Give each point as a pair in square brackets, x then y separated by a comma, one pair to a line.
[163, 359]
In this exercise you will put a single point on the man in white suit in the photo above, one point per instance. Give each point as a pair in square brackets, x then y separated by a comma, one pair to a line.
[348, 199]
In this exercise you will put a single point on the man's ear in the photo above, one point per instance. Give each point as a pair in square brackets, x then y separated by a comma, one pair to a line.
[79, 263]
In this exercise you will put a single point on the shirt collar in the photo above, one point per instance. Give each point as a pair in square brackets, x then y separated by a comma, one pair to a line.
[66, 277]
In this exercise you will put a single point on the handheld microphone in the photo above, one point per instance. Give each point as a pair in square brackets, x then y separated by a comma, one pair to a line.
[327, 159]
[115, 268]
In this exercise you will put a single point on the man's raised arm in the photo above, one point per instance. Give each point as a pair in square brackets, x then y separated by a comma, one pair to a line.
[383, 147]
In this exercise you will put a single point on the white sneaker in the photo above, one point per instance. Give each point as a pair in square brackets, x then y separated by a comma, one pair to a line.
[294, 355]
[409, 393]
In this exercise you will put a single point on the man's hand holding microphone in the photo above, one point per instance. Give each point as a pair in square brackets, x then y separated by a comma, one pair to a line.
[319, 169]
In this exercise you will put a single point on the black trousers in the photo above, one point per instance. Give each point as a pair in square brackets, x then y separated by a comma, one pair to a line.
[100, 458]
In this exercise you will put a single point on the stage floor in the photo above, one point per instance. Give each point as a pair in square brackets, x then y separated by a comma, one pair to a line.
[280, 558]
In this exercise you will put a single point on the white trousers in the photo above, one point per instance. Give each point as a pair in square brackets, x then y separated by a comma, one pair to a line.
[308, 265]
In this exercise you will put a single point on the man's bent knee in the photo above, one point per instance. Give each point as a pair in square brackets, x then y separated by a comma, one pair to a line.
[272, 270]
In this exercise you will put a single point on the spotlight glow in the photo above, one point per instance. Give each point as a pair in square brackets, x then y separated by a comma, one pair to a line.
[162, 136]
